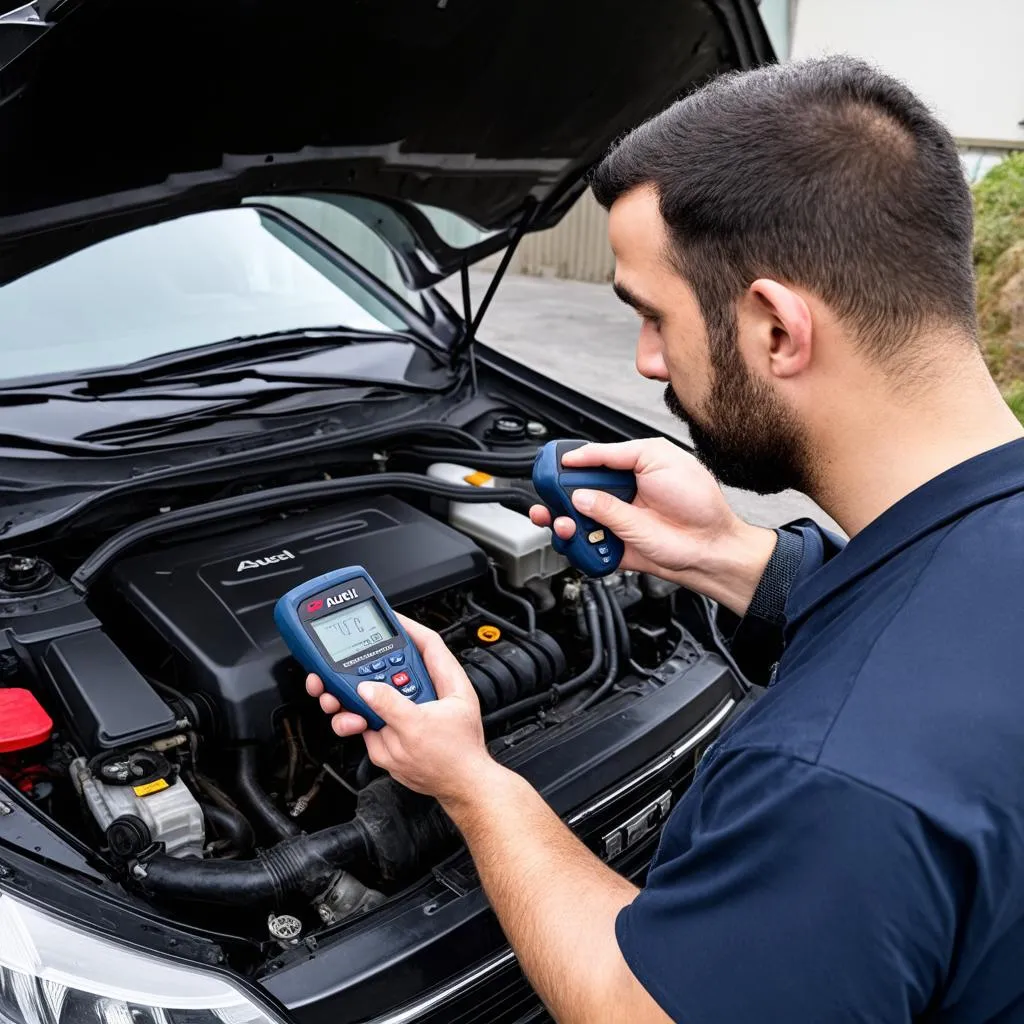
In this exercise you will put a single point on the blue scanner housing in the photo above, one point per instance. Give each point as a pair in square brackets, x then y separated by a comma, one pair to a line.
[340, 626]
[593, 549]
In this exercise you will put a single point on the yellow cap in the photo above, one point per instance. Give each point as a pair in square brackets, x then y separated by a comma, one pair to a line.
[488, 634]
[477, 479]
[150, 787]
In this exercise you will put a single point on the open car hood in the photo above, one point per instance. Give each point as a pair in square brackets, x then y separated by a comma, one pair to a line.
[115, 114]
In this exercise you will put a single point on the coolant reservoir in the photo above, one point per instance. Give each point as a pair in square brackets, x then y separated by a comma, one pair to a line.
[523, 549]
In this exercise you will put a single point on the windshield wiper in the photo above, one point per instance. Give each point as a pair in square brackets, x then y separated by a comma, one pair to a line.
[116, 439]
[226, 360]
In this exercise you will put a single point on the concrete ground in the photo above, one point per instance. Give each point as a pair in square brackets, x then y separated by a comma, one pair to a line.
[581, 334]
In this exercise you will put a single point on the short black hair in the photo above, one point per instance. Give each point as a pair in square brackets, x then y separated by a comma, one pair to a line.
[826, 174]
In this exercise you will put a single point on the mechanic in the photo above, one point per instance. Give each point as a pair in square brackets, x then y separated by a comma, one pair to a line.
[797, 241]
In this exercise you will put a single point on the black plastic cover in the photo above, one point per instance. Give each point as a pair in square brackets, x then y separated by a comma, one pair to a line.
[108, 703]
[211, 599]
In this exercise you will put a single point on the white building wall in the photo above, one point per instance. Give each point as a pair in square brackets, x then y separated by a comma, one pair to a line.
[965, 59]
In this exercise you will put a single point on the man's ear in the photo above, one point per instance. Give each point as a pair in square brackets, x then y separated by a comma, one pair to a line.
[781, 322]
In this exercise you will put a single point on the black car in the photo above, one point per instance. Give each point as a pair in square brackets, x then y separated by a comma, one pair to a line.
[227, 369]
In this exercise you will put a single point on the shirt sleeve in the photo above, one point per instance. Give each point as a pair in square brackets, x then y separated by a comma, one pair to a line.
[756, 640]
[785, 892]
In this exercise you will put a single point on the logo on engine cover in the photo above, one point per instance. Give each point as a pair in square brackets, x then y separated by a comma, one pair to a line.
[341, 598]
[258, 563]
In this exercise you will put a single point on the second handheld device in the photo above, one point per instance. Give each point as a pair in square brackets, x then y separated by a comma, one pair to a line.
[593, 548]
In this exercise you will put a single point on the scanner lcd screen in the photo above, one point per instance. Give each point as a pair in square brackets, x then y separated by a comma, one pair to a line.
[352, 629]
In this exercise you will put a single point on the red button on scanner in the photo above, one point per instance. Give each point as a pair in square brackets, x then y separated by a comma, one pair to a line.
[400, 678]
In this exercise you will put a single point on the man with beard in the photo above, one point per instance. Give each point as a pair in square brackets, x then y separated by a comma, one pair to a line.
[797, 242]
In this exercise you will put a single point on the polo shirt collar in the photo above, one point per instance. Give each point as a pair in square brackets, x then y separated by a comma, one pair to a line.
[978, 481]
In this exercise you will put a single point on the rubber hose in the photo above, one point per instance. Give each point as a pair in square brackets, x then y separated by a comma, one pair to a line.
[598, 641]
[230, 825]
[613, 654]
[593, 626]
[498, 620]
[522, 602]
[300, 864]
[257, 801]
[278, 497]
[621, 630]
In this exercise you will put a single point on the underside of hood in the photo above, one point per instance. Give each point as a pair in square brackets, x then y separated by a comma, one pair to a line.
[115, 114]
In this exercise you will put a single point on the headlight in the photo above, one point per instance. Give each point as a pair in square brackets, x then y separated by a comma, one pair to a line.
[53, 973]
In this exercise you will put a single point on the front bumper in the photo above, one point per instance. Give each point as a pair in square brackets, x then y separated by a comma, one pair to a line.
[437, 953]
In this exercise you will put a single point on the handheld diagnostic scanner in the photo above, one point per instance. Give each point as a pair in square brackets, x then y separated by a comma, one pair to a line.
[593, 549]
[340, 626]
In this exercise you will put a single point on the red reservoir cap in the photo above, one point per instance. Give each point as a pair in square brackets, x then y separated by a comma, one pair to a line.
[23, 722]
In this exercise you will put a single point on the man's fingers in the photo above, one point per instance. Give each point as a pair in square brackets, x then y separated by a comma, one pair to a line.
[623, 455]
[348, 724]
[388, 703]
[539, 515]
[314, 685]
[442, 666]
[418, 633]
[329, 703]
[619, 516]
[563, 525]
[375, 748]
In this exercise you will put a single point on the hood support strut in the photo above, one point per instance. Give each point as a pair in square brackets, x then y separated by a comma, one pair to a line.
[473, 321]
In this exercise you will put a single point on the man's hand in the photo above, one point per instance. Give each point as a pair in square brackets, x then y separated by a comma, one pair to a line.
[555, 900]
[679, 526]
[435, 748]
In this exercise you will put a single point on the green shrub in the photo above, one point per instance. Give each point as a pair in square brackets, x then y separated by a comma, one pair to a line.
[999, 265]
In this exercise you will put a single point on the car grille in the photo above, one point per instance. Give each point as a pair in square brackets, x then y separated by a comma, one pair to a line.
[497, 992]
[504, 996]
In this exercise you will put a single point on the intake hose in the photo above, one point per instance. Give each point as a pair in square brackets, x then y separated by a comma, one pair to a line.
[256, 800]
[394, 832]
[300, 864]
[230, 825]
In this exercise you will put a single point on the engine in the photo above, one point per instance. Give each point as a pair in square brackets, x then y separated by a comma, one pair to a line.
[211, 600]
[165, 722]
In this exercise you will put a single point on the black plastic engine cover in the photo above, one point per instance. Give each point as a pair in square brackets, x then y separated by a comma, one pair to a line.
[212, 598]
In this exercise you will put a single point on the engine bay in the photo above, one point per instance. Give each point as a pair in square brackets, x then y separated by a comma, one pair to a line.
[159, 718]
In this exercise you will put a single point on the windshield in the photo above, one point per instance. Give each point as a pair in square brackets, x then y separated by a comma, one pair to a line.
[188, 282]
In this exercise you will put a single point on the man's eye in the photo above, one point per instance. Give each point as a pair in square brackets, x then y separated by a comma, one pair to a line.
[651, 321]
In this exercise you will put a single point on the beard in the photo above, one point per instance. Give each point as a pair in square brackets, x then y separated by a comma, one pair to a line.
[744, 436]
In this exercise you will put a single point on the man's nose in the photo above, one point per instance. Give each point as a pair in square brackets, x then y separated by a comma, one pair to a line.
[650, 361]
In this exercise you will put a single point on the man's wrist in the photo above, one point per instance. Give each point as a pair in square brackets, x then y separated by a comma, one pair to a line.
[731, 569]
[480, 785]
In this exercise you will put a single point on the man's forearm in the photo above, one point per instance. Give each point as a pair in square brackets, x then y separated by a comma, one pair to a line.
[555, 900]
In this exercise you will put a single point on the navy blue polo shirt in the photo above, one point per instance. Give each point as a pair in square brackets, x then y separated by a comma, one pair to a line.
[852, 848]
